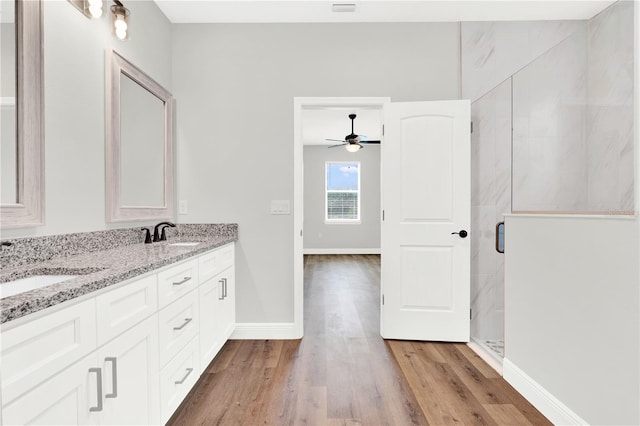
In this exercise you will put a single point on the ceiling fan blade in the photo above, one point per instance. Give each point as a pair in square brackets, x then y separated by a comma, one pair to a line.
[335, 140]
[340, 144]
[370, 142]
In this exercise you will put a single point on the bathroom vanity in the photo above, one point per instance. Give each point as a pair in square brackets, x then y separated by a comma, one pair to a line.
[125, 340]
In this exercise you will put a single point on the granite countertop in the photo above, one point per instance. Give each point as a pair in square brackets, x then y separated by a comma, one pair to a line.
[97, 270]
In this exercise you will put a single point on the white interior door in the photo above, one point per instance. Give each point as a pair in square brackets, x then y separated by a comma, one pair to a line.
[426, 203]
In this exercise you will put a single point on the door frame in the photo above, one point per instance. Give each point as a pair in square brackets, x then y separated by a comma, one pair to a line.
[299, 104]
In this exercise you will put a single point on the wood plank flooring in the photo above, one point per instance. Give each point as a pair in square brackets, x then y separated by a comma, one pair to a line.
[343, 373]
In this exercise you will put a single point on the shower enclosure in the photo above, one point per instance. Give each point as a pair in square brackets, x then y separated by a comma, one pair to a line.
[556, 137]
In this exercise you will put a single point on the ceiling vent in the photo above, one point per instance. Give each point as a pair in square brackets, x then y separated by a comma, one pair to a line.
[343, 7]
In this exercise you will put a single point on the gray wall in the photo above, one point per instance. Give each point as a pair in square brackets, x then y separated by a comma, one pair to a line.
[572, 314]
[74, 72]
[327, 237]
[235, 85]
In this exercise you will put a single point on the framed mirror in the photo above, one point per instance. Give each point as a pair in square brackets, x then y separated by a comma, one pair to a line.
[139, 154]
[22, 117]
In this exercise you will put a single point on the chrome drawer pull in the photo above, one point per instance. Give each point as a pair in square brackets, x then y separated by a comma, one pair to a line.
[221, 281]
[98, 372]
[179, 382]
[184, 324]
[183, 281]
[114, 377]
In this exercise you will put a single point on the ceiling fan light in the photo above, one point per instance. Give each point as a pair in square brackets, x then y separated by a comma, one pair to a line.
[353, 147]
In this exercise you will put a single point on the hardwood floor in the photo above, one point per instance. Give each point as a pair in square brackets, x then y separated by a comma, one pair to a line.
[343, 373]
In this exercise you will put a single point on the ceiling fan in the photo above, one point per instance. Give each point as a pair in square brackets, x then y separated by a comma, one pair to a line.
[352, 142]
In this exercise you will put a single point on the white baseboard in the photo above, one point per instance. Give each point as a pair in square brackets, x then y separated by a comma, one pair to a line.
[550, 406]
[486, 356]
[265, 331]
[342, 251]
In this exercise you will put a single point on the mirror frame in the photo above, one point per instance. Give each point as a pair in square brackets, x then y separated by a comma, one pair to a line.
[29, 208]
[116, 212]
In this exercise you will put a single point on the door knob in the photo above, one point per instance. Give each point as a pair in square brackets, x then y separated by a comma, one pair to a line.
[462, 233]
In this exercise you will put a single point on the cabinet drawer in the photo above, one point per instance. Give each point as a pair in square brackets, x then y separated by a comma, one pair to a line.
[35, 351]
[120, 309]
[177, 281]
[213, 263]
[177, 379]
[179, 323]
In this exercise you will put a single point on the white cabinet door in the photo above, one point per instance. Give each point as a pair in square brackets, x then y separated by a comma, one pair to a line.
[64, 399]
[210, 299]
[227, 312]
[131, 380]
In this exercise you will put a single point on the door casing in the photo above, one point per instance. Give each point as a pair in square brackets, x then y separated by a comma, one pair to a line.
[299, 104]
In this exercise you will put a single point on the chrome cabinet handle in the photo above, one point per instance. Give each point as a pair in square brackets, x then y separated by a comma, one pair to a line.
[221, 281]
[181, 381]
[98, 372]
[184, 324]
[114, 377]
[225, 288]
[183, 281]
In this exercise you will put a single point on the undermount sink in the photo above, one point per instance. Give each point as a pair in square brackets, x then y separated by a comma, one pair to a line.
[22, 285]
[189, 244]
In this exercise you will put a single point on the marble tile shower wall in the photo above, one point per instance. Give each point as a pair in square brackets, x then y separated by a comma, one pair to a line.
[550, 151]
[493, 51]
[610, 110]
[490, 200]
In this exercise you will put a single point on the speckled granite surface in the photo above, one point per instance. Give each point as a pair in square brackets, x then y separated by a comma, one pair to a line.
[122, 255]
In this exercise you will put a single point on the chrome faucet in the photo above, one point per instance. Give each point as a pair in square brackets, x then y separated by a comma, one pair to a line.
[157, 236]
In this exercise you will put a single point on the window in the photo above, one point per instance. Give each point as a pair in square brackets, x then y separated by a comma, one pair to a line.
[342, 192]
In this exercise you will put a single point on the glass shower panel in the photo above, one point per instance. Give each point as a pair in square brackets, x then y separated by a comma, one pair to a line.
[490, 200]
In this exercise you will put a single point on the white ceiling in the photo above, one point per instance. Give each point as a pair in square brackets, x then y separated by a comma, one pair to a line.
[267, 11]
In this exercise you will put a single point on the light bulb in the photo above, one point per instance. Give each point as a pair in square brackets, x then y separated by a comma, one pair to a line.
[95, 11]
[121, 33]
[120, 24]
[353, 147]
[95, 8]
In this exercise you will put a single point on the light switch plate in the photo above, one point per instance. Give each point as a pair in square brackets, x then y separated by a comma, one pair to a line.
[280, 207]
[183, 207]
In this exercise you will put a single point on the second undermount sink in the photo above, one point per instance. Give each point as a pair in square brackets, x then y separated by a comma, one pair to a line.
[184, 244]
[34, 282]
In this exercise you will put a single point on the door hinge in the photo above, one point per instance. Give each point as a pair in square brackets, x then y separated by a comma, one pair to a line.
[383, 215]
[383, 130]
[301, 232]
[472, 127]
[383, 299]
[470, 313]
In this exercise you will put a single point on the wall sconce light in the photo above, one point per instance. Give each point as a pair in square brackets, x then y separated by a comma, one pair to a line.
[92, 9]
[120, 20]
